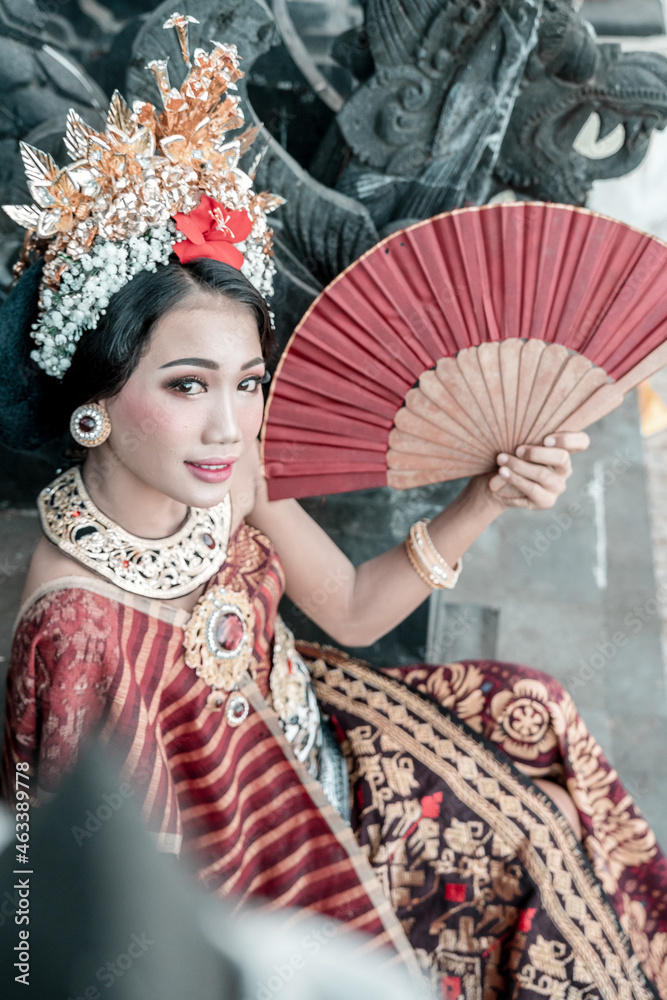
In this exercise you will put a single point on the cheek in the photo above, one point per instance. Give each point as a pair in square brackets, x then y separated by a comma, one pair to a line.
[138, 420]
[250, 418]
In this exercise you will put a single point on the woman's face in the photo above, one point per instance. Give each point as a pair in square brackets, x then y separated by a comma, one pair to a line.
[193, 405]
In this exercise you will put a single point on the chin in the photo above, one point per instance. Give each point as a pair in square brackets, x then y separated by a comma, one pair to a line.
[204, 494]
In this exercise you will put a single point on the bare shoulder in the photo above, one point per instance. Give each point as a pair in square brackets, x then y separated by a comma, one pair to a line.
[49, 563]
[247, 482]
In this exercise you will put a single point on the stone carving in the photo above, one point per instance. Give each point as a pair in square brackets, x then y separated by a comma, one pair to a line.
[433, 113]
[447, 103]
[540, 156]
[39, 83]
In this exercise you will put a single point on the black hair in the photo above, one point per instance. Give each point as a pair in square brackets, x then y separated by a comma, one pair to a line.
[106, 356]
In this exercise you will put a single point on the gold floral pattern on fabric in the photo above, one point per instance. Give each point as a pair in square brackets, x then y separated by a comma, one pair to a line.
[651, 953]
[618, 838]
[485, 876]
[618, 842]
[459, 690]
[523, 715]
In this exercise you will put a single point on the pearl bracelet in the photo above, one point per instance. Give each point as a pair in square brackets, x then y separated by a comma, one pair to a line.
[427, 561]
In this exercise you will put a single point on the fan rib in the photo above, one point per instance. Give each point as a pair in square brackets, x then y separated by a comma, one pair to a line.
[415, 448]
[321, 407]
[509, 359]
[552, 364]
[420, 359]
[437, 425]
[605, 399]
[575, 381]
[554, 373]
[460, 392]
[406, 462]
[441, 294]
[489, 364]
[531, 361]
[623, 282]
[286, 487]
[469, 367]
[424, 431]
[472, 250]
[441, 396]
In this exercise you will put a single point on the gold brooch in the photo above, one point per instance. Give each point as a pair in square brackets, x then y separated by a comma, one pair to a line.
[219, 640]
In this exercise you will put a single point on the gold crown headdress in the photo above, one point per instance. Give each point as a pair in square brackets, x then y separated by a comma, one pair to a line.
[153, 183]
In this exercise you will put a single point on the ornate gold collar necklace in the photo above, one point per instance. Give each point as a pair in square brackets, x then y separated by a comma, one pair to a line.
[160, 568]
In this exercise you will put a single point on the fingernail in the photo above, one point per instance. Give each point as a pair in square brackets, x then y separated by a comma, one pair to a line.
[521, 450]
[550, 441]
[505, 473]
[502, 458]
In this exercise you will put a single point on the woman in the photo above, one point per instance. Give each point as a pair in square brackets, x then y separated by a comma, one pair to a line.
[437, 809]
[177, 365]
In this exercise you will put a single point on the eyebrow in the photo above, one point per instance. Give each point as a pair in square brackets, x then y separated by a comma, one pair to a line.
[207, 363]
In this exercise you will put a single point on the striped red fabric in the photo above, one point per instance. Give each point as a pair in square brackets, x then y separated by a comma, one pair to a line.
[236, 802]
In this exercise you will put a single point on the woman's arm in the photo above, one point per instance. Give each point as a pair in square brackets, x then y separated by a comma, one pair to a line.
[358, 606]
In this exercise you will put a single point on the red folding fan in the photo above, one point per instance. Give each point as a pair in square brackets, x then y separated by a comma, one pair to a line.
[460, 337]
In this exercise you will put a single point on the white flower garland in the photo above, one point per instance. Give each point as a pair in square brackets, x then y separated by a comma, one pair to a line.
[85, 290]
[88, 283]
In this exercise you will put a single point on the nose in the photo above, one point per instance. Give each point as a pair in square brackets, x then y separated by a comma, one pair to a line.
[222, 424]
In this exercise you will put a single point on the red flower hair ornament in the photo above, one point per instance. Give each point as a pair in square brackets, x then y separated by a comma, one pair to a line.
[211, 230]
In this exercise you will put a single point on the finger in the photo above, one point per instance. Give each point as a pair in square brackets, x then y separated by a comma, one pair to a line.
[522, 502]
[501, 489]
[557, 458]
[572, 441]
[538, 495]
[550, 479]
[496, 483]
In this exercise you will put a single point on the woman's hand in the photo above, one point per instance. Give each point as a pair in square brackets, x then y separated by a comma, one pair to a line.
[537, 473]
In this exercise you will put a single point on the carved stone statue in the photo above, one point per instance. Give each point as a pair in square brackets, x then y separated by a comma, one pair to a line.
[626, 96]
[446, 103]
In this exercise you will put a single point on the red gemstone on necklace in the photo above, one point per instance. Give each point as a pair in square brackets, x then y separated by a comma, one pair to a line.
[229, 631]
[86, 424]
[208, 540]
[126, 563]
[75, 513]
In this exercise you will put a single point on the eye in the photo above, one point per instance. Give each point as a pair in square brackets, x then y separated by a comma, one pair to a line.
[184, 386]
[252, 382]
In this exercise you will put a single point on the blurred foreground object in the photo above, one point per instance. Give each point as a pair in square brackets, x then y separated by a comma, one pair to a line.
[109, 916]
[652, 410]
